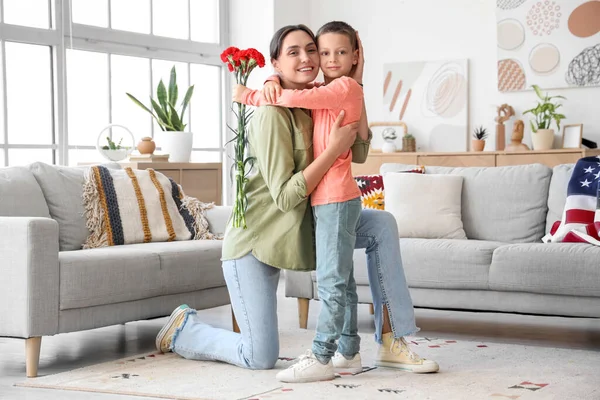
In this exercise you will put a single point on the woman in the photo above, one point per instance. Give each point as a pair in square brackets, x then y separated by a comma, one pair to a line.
[280, 236]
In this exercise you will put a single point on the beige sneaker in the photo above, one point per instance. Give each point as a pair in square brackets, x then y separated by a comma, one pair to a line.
[165, 336]
[395, 353]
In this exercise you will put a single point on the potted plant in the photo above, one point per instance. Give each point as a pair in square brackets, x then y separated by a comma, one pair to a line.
[114, 151]
[409, 143]
[478, 141]
[174, 140]
[542, 137]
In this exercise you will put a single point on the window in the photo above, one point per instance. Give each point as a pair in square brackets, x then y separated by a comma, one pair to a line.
[61, 84]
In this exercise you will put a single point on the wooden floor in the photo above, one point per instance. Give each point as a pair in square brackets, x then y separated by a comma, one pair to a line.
[74, 350]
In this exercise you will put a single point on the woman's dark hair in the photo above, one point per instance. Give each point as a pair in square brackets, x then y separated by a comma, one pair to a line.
[279, 36]
[342, 28]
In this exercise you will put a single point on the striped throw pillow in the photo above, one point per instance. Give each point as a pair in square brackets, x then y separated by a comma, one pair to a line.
[128, 206]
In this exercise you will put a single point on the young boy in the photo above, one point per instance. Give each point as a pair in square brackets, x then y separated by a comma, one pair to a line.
[336, 204]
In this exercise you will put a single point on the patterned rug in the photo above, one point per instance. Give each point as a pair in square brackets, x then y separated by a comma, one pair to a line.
[468, 370]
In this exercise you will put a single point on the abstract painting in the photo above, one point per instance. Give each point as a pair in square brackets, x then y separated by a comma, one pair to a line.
[550, 43]
[431, 97]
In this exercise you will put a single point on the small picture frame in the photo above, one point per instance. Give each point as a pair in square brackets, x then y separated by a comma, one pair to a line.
[572, 135]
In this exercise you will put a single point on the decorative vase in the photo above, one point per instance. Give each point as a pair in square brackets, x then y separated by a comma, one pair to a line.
[409, 144]
[543, 139]
[146, 145]
[477, 145]
[388, 147]
[500, 137]
[178, 145]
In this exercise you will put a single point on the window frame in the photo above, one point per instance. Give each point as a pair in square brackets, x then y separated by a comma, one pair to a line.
[64, 35]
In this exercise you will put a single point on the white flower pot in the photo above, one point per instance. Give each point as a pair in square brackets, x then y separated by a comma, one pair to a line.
[543, 139]
[178, 145]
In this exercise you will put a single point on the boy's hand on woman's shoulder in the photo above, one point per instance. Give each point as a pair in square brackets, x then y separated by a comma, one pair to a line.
[271, 91]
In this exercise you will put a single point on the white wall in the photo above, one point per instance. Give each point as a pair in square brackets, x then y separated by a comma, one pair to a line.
[414, 30]
[292, 12]
[251, 24]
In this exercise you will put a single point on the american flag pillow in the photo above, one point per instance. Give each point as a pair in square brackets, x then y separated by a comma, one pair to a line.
[372, 193]
[581, 216]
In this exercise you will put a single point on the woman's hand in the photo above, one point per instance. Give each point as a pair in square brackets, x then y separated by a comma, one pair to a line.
[271, 91]
[341, 138]
[237, 93]
[357, 74]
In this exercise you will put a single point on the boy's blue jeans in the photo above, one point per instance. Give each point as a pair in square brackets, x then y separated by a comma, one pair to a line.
[335, 235]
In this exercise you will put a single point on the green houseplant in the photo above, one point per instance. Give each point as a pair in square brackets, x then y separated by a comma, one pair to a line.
[479, 136]
[171, 118]
[545, 112]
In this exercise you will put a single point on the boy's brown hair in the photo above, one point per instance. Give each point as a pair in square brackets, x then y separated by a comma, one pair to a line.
[342, 28]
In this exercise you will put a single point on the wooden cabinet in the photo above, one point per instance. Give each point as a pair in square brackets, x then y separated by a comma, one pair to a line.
[200, 180]
[550, 158]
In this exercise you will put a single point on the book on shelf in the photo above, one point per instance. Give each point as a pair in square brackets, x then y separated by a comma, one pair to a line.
[149, 157]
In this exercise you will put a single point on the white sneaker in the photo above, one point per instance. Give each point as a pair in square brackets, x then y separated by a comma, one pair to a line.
[342, 364]
[307, 369]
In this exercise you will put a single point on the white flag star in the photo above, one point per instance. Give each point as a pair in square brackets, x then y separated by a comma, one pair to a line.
[585, 183]
[597, 175]
[589, 170]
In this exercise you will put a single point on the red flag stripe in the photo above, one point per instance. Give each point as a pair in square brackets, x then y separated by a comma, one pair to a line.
[579, 216]
[555, 227]
[592, 230]
[573, 237]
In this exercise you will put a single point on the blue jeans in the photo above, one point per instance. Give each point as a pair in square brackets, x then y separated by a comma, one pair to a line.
[335, 234]
[252, 288]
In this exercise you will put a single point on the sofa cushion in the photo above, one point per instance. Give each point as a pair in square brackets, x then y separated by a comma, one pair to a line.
[447, 263]
[108, 275]
[187, 266]
[20, 194]
[372, 191]
[116, 274]
[557, 194]
[425, 206]
[505, 204]
[439, 263]
[63, 189]
[556, 268]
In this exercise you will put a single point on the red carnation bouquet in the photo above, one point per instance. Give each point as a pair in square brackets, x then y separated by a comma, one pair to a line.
[241, 63]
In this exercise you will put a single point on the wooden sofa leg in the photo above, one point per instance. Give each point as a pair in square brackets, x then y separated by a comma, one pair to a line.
[303, 312]
[32, 354]
[236, 328]
[371, 309]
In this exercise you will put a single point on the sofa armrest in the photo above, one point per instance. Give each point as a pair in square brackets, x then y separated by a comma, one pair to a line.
[217, 217]
[299, 284]
[29, 267]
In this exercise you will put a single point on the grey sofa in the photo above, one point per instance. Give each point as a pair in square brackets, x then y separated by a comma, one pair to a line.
[51, 286]
[503, 266]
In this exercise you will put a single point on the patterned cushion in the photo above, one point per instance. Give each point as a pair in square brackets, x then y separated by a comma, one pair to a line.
[372, 193]
[139, 206]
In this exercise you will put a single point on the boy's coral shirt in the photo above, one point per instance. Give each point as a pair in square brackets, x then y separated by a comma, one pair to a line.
[327, 101]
